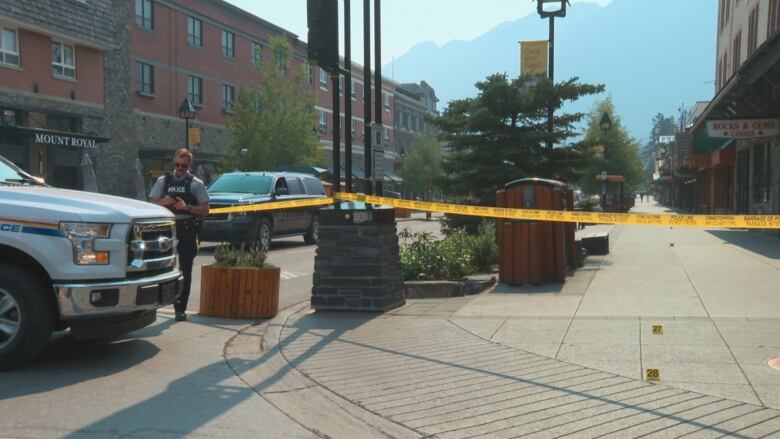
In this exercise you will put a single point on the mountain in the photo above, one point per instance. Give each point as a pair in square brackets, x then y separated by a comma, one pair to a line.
[652, 55]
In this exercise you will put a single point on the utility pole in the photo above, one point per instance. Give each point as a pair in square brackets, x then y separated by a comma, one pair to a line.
[347, 98]
[367, 95]
[378, 96]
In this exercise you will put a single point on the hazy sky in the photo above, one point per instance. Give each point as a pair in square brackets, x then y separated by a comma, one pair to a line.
[405, 23]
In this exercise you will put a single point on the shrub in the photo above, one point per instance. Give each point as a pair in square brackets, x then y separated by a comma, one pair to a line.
[234, 257]
[452, 222]
[483, 246]
[425, 258]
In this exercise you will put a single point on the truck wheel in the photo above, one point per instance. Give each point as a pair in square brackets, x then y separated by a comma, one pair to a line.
[263, 232]
[312, 235]
[26, 316]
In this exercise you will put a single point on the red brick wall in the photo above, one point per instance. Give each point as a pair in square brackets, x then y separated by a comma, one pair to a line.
[36, 67]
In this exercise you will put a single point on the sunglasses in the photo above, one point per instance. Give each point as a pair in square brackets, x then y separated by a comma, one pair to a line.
[181, 165]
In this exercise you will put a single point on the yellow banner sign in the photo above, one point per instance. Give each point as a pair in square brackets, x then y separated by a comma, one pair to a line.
[533, 58]
[194, 136]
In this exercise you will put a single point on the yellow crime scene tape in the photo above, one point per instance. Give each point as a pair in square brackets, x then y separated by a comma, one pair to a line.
[702, 221]
[274, 205]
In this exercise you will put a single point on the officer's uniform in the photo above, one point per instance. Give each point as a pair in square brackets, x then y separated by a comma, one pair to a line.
[193, 192]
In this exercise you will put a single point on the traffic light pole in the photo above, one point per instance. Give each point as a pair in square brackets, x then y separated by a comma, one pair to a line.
[347, 98]
[367, 95]
[378, 97]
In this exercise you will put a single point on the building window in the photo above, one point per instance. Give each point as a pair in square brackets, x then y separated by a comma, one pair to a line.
[9, 47]
[323, 122]
[281, 63]
[63, 60]
[753, 32]
[195, 90]
[762, 173]
[354, 127]
[341, 85]
[228, 44]
[257, 54]
[354, 90]
[387, 102]
[144, 14]
[774, 16]
[144, 78]
[737, 60]
[309, 74]
[725, 12]
[256, 102]
[387, 134]
[323, 79]
[194, 32]
[228, 95]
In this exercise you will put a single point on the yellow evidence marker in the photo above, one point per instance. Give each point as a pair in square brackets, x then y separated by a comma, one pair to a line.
[652, 375]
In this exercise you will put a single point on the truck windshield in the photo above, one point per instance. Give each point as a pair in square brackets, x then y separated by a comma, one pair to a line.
[9, 173]
[242, 184]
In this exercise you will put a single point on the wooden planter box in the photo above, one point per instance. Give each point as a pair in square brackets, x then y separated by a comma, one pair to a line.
[239, 293]
[401, 212]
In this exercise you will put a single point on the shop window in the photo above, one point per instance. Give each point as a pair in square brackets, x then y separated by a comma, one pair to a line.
[194, 32]
[762, 173]
[228, 44]
[62, 123]
[10, 117]
[144, 14]
[144, 78]
[63, 59]
[228, 96]
[195, 90]
[9, 46]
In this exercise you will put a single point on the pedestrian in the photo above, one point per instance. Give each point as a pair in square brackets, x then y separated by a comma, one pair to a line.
[641, 196]
[185, 195]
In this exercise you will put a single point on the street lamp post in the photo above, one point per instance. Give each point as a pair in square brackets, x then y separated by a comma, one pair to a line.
[551, 9]
[187, 112]
[606, 125]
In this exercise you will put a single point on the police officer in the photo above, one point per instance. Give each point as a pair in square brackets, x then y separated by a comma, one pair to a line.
[185, 195]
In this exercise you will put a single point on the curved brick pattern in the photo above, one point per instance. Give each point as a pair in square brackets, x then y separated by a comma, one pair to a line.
[431, 376]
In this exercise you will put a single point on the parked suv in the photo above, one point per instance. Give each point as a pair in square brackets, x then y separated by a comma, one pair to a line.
[243, 188]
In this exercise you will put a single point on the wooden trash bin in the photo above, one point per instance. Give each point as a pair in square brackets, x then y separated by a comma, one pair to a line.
[535, 252]
[239, 293]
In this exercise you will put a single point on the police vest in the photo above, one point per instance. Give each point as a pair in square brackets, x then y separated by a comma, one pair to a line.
[179, 189]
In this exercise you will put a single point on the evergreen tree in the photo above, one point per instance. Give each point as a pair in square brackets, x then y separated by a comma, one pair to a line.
[501, 135]
[422, 167]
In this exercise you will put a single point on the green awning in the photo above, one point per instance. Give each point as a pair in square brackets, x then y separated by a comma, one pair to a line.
[704, 144]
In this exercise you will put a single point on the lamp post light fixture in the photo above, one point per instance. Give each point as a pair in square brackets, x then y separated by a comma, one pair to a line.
[187, 112]
[605, 125]
[551, 9]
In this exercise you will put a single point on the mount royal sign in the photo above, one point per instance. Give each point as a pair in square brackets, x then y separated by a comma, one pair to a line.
[744, 128]
[59, 139]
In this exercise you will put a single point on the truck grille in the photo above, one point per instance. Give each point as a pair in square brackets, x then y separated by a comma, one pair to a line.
[151, 246]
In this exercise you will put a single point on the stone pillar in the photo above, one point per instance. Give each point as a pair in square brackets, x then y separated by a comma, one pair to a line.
[357, 266]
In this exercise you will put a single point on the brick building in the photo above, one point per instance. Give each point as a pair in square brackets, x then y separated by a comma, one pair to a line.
[106, 78]
[741, 175]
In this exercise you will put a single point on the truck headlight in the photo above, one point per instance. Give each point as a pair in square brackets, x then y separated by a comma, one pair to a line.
[82, 236]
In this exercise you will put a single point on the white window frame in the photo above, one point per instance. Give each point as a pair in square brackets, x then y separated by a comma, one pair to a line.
[228, 44]
[387, 134]
[228, 97]
[323, 124]
[341, 85]
[387, 101]
[192, 39]
[309, 74]
[61, 62]
[197, 99]
[354, 127]
[354, 90]
[4, 54]
[323, 79]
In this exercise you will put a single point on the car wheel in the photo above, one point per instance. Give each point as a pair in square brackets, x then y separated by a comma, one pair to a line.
[26, 316]
[263, 233]
[312, 236]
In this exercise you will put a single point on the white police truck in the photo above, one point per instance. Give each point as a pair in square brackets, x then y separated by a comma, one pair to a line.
[97, 264]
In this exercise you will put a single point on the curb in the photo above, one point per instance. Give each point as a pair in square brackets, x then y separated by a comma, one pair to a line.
[255, 357]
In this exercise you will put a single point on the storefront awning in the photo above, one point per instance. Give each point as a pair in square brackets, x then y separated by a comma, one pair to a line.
[704, 144]
[753, 91]
[55, 138]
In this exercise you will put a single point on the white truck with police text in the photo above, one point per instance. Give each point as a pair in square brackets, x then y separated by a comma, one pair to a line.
[97, 264]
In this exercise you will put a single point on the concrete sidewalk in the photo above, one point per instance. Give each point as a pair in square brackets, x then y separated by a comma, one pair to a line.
[550, 361]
